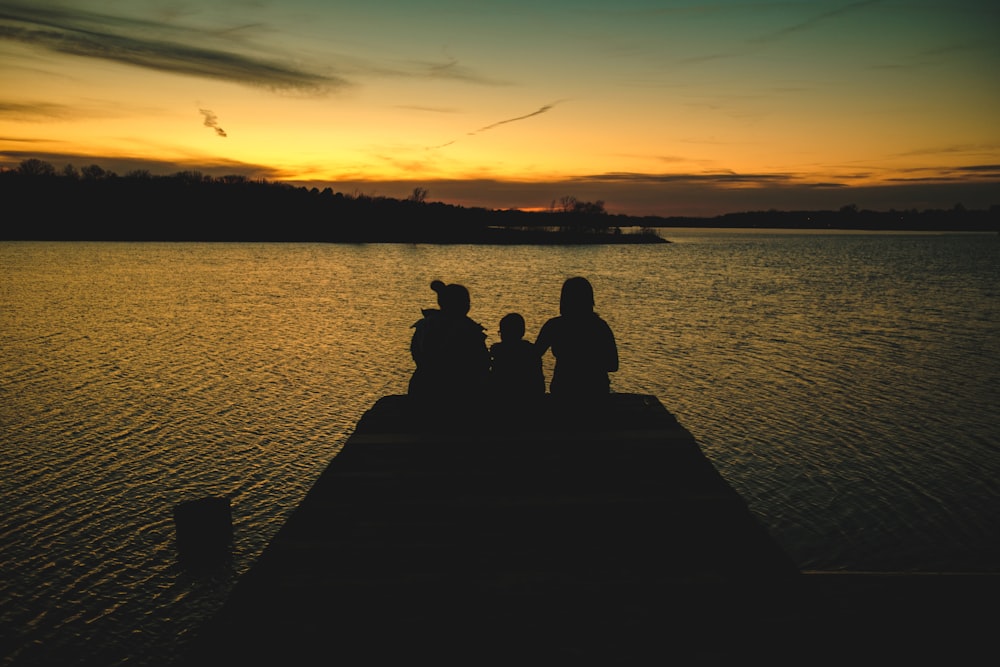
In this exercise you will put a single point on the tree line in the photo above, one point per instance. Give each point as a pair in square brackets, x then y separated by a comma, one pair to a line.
[92, 203]
[95, 204]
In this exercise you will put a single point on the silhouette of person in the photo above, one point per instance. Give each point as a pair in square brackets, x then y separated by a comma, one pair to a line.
[516, 366]
[449, 349]
[582, 343]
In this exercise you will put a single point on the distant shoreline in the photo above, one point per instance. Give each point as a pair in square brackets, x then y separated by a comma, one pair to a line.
[188, 206]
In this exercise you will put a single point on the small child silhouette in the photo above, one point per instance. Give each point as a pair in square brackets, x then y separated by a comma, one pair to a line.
[515, 364]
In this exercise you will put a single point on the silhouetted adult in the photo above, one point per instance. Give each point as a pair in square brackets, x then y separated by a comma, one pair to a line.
[449, 349]
[582, 343]
[516, 369]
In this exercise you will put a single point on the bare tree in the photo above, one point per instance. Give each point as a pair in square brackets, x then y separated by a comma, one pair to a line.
[33, 167]
[567, 203]
[570, 204]
[94, 172]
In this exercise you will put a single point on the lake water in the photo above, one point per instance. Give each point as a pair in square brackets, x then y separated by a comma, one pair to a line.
[846, 384]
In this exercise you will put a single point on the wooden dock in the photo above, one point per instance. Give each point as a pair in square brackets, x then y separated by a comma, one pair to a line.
[598, 537]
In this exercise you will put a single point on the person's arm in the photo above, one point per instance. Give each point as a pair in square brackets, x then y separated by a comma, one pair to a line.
[544, 340]
[415, 343]
[612, 351]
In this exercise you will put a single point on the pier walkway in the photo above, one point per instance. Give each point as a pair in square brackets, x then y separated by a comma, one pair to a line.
[603, 537]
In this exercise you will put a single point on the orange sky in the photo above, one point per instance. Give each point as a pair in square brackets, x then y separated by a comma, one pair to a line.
[666, 108]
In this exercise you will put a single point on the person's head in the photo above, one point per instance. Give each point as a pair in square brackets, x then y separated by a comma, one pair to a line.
[452, 299]
[511, 327]
[577, 297]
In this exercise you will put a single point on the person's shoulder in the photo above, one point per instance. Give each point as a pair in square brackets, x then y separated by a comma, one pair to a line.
[429, 315]
[469, 329]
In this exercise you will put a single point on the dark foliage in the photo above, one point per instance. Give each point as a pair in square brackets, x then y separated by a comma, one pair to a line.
[93, 204]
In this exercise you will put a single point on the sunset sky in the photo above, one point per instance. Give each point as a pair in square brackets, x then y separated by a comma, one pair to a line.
[663, 107]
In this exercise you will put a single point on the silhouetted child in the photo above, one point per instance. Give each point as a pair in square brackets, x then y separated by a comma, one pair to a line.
[449, 349]
[582, 343]
[516, 365]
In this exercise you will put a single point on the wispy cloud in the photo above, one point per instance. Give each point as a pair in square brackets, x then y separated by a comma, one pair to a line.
[754, 43]
[451, 70]
[160, 46]
[966, 173]
[970, 149]
[214, 53]
[27, 110]
[212, 121]
[21, 140]
[813, 22]
[983, 169]
[543, 109]
[39, 111]
[417, 107]
[721, 178]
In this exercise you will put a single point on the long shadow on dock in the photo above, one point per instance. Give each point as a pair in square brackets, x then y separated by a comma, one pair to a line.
[604, 537]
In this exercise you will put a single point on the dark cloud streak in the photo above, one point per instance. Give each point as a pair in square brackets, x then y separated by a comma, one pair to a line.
[720, 178]
[541, 110]
[212, 121]
[37, 112]
[452, 70]
[988, 169]
[91, 35]
[174, 48]
[513, 120]
[812, 22]
[780, 34]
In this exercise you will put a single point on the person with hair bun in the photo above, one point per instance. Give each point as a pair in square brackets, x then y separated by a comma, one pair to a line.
[449, 349]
